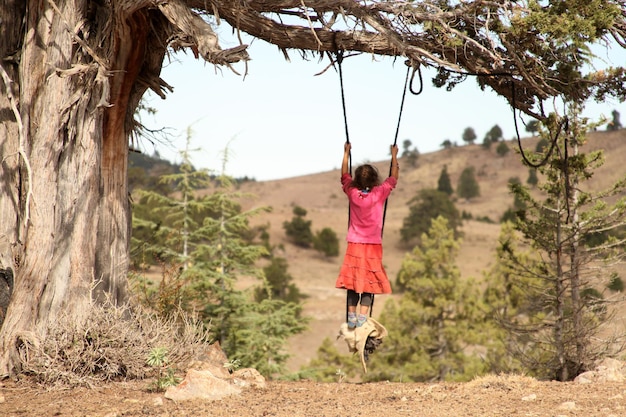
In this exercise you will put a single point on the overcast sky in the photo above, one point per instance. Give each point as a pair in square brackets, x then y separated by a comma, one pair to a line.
[283, 121]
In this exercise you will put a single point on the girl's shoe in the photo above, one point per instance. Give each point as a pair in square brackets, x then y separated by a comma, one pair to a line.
[360, 321]
[352, 320]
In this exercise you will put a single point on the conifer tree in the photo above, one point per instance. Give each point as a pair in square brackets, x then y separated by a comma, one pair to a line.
[427, 205]
[299, 229]
[444, 184]
[210, 255]
[326, 242]
[532, 177]
[558, 321]
[437, 317]
[468, 187]
[469, 135]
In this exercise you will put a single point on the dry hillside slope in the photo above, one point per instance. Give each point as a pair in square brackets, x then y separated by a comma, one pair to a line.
[321, 195]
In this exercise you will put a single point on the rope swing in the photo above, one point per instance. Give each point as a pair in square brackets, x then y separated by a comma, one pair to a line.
[408, 84]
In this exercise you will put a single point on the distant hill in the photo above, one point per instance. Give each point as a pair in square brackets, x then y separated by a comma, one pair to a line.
[320, 194]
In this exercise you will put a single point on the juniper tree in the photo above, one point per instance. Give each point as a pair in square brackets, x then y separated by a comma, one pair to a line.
[557, 326]
[468, 187]
[443, 183]
[427, 205]
[437, 318]
[299, 229]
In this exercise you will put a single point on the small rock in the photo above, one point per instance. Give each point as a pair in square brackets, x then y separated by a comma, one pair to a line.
[248, 377]
[568, 405]
[157, 402]
[201, 385]
[531, 397]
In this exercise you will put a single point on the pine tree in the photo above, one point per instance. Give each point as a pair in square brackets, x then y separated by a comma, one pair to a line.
[559, 311]
[502, 149]
[209, 256]
[444, 184]
[469, 135]
[468, 187]
[330, 365]
[427, 205]
[615, 123]
[436, 319]
[299, 229]
[326, 242]
[532, 177]
[279, 283]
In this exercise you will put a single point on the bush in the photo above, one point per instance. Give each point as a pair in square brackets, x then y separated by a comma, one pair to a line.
[111, 342]
[616, 284]
[299, 229]
[326, 242]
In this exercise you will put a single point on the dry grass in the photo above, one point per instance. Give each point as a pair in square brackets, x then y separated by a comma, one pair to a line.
[112, 343]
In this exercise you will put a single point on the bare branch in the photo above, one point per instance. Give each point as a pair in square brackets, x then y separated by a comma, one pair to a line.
[196, 33]
[8, 83]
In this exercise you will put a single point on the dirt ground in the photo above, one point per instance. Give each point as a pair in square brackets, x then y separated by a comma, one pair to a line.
[487, 396]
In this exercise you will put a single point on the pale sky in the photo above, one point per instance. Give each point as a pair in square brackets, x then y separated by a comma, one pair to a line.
[282, 120]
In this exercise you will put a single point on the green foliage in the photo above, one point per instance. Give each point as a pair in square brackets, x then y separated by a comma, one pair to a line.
[259, 331]
[427, 205]
[568, 27]
[494, 134]
[279, 283]
[532, 127]
[469, 135]
[616, 284]
[144, 171]
[157, 358]
[206, 244]
[326, 242]
[543, 145]
[443, 183]
[329, 365]
[532, 180]
[468, 187]
[437, 317]
[408, 154]
[298, 229]
[615, 123]
[502, 149]
[554, 313]
[447, 144]
[519, 205]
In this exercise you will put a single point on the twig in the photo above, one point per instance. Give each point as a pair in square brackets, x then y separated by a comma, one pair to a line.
[21, 148]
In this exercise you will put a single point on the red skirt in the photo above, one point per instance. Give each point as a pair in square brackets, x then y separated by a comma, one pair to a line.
[362, 269]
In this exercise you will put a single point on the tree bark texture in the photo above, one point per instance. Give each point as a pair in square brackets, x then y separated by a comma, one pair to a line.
[73, 73]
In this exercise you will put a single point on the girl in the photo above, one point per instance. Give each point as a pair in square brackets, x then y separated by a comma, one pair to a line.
[362, 272]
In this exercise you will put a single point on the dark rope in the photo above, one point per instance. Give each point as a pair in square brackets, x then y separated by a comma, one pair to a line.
[345, 123]
[395, 139]
[343, 104]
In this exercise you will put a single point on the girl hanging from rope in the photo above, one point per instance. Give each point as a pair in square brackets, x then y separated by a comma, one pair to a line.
[362, 273]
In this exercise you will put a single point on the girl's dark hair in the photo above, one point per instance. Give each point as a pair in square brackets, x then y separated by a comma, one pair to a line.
[365, 177]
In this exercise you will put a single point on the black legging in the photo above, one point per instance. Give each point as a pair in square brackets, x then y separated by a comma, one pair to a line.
[354, 298]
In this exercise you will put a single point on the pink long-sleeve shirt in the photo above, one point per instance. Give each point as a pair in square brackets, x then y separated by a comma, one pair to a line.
[366, 210]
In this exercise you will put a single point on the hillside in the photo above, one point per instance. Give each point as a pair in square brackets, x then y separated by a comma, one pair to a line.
[321, 195]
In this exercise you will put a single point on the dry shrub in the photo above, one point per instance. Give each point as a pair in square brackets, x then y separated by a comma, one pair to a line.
[112, 343]
[503, 382]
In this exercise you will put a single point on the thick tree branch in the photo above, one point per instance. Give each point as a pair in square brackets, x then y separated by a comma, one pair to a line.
[476, 37]
[196, 33]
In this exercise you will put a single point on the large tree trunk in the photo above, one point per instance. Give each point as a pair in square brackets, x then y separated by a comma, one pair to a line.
[74, 89]
[58, 203]
[73, 74]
